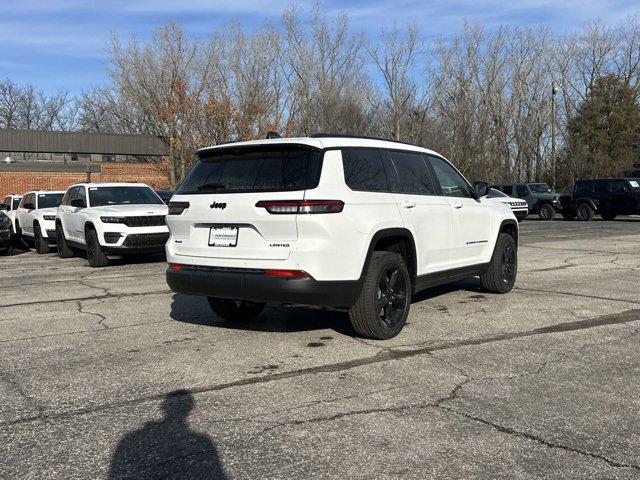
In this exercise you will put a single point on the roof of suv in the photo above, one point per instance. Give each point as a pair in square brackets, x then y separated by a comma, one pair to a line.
[322, 142]
[110, 184]
[45, 191]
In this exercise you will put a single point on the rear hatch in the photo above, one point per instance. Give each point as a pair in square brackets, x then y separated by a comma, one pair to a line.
[215, 211]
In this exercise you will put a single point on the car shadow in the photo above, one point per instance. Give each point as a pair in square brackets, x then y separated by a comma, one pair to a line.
[274, 318]
[167, 448]
[195, 310]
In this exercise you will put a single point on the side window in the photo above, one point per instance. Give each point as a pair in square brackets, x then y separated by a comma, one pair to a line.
[82, 194]
[65, 199]
[601, 186]
[522, 191]
[363, 170]
[619, 186]
[451, 182]
[508, 189]
[584, 188]
[413, 173]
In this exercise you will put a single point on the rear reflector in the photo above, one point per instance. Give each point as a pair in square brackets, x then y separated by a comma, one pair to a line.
[174, 266]
[287, 273]
[176, 208]
[301, 206]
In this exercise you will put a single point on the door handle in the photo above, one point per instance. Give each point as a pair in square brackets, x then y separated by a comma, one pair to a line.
[457, 205]
[408, 204]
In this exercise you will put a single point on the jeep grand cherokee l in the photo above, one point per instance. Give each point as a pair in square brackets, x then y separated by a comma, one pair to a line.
[36, 215]
[110, 218]
[350, 223]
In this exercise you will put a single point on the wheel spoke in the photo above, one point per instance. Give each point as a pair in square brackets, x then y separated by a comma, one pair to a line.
[393, 279]
[398, 300]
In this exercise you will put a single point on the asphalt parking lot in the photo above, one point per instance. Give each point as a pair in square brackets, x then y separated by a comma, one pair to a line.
[106, 374]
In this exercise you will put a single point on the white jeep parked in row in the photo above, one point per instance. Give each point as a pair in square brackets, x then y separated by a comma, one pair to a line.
[10, 206]
[36, 215]
[110, 218]
[351, 223]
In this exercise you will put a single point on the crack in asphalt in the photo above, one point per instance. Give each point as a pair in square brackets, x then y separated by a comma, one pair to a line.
[82, 299]
[383, 355]
[81, 309]
[579, 295]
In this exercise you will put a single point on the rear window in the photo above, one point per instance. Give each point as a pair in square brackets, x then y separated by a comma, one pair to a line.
[102, 196]
[49, 200]
[243, 170]
[363, 170]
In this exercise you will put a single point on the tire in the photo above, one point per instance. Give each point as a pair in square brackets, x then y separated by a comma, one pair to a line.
[64, 251]
[569, 215]
[547, 212]
[235, 310]
[503, 268]
[609, 216]
[382, 307]
[95, 254]
[584, 212]
[41, 244]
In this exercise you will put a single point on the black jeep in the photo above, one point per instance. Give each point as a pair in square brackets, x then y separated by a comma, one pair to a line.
[607, 197]
[539, 197]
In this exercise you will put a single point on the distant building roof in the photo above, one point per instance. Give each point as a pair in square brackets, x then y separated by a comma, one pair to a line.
[40, 141]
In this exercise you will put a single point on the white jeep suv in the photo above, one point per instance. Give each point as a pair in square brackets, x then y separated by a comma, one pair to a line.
[36, 216]
[333, 221]
[110, 218]
[10, 206]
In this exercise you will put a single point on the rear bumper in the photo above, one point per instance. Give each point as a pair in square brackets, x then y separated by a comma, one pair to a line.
[255, 285]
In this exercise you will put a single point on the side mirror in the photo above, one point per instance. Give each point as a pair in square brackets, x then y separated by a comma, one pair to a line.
[481, 188]
[78, 203]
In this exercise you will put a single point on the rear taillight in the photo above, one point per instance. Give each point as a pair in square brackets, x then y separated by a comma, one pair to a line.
[301, 206]
[176, 208]
[287, 273]
[175, 266]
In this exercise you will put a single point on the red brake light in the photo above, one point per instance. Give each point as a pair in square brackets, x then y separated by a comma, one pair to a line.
[176, 208]
[301, 206]
[175, 266]
[287, 273]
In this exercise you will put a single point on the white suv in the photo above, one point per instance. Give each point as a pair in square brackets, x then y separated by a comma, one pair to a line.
[10, 206]
[345, 222]
[110, 218]
[36, 216]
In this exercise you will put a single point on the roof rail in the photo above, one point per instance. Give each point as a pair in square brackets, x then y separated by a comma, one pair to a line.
[364, 137]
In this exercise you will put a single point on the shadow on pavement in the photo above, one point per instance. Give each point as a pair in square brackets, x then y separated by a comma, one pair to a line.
[167, 448]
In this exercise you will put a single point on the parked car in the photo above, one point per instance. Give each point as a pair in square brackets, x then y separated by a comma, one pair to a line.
[518, 207]
[110, 218]
[35, 218]
[165, 195]
[539, 197]
[605, 197]
[357, 224]
[5, 233]
[9, 206]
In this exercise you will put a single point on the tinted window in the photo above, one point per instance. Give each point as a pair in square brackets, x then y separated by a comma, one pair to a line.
[601, 186]
[521, 191]
[101, 196]
[539, 188]
[451, 182]
[16, 202]
[267, 169]
[413, 173]
[584, 187]
[27, 199]
[619, 186]
[363, 170]
[508, 189]
[48, 200]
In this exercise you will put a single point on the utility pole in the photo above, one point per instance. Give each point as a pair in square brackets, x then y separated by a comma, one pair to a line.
[553, 136]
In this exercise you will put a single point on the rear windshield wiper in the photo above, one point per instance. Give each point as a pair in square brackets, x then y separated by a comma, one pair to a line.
[212, 186]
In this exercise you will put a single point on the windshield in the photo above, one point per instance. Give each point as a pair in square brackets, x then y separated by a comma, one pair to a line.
[493, 193]
[48, 200]
[16, 202]
[539, 188]
[102, 196]
[263, 169]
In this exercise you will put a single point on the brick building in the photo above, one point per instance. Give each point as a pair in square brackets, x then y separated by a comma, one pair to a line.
[42, 160]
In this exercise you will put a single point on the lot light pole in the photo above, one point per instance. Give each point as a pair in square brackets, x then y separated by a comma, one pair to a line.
[553, 136]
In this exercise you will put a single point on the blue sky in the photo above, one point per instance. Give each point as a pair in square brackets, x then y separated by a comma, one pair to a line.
[62, 44]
